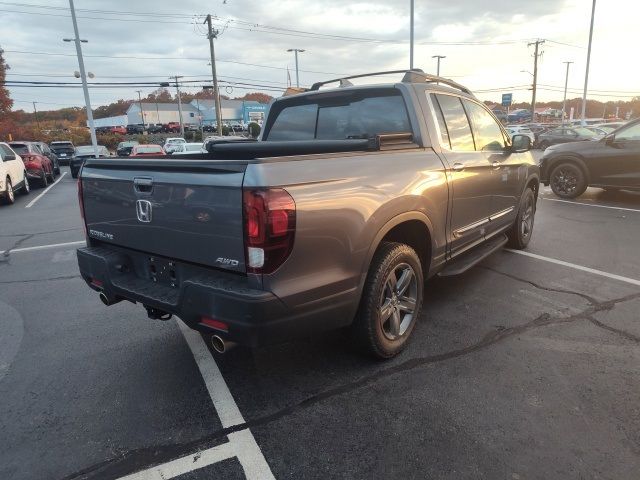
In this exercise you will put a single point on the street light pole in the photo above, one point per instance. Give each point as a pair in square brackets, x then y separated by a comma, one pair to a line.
[411, 36]
[296, 50]
[35, 112]
[586, 73]
[141, 110]
[83, 76]
[176, 78]
[216, 93]
[564, 100]
[439, 57]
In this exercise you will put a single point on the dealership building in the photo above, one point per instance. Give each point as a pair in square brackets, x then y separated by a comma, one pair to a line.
[197, 112]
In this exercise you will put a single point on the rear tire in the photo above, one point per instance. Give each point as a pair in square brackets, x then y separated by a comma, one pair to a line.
[74, 174]
[9, 194]
[520, 233]
[43, 179]
[568, 180]
[51, 176]
[391, 301]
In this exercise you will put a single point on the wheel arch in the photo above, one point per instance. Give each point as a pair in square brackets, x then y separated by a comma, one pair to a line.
[409, 228]
[573, 159]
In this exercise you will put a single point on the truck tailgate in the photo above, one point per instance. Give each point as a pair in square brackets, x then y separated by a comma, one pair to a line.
[189, 210]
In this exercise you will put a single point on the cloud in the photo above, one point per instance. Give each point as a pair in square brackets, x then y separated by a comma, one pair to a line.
[177, 45]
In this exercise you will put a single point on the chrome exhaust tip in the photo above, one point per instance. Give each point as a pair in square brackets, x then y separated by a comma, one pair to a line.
[220, 345]
[108, 301]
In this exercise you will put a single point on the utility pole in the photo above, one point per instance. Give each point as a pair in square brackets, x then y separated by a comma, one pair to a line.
[35, 112]
[144, 123]
[83, 76]
[176, 78]
[216, 93]
[564, 100]
[439, 57]
[157, 112]
[296, 50]
[586, 73]
[537, 43]
[411, 37]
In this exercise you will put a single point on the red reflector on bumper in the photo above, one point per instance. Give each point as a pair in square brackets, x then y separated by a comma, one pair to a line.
[213, 323]
[96, 283]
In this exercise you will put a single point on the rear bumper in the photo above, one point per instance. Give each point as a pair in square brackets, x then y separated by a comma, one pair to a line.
[34, 174]
[254, 317]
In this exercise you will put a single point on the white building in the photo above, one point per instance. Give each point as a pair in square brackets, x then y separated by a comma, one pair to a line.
[162, 113]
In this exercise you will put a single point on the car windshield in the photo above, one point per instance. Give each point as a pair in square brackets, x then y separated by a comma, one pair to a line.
[19, 148]
[149, 149]
[84, 150]
[175, 140]
[583, 132]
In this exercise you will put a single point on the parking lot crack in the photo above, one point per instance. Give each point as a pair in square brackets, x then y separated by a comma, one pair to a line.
[134, 460]
[35, 280]
[617, 331]
[4, 259]
[592, 301]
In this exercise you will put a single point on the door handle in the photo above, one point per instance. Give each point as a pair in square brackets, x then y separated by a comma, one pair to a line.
[496, 164]
[457, 167]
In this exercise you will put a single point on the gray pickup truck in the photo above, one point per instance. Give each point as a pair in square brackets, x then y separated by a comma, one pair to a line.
[350, 200]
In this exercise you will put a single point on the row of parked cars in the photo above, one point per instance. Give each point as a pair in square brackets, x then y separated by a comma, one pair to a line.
[544, 135]
[171, 127]
[24, 165]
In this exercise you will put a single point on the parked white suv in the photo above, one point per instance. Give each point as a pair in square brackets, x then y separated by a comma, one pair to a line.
[171, 144]
[13, 176]
[521, 130]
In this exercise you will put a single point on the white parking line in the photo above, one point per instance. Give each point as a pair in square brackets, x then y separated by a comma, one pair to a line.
[43, 247]
[590, 205]
[613, 276]
[186, 464]
[32, 202]
[241, 444]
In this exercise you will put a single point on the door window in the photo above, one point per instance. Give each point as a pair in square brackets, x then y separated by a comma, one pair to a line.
[457, 123]
[630, 133]
[486, 131]
[4, 151]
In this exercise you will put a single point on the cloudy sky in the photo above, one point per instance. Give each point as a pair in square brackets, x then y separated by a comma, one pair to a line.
[485, 43]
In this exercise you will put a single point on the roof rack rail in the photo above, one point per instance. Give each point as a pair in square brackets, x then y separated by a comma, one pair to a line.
[415, 75]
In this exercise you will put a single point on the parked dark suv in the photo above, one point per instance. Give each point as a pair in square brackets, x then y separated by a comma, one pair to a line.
[64, 150]
[612, 163]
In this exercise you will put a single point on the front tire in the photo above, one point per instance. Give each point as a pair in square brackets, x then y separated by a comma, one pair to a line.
[568, 180]
[26, 188]
[391, 301]
[520, 232]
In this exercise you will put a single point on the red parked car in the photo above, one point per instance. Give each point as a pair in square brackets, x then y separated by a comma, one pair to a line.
[149, 150]
[39, 168]
[120, 130]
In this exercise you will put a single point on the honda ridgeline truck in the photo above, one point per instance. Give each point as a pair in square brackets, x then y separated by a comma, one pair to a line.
[350, 200]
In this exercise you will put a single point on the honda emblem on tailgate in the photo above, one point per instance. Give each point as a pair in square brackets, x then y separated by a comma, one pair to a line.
[143, 210]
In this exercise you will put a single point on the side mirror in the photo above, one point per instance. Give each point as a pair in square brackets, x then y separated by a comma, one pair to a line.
[520, 144]
[9, 157]
[610, 139]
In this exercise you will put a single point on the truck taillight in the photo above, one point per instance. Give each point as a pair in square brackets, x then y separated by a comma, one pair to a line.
[270, 224]
[81, 204]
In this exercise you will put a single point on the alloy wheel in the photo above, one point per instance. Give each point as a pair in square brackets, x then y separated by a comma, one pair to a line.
[565, 180]
[10, 193]
[526, 222]
[398, 301]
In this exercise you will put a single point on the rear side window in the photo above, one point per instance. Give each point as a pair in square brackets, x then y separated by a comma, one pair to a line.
[340, 118]
[457, 123]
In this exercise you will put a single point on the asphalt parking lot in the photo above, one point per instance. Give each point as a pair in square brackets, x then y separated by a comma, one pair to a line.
[525, 367]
